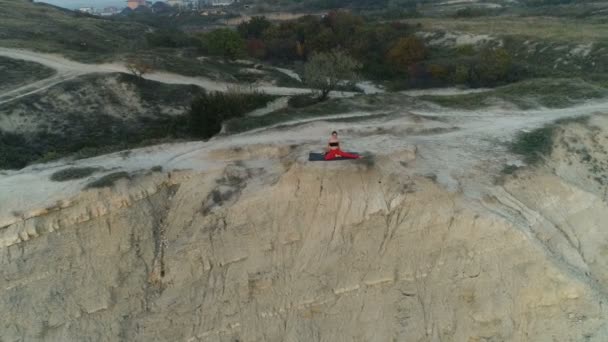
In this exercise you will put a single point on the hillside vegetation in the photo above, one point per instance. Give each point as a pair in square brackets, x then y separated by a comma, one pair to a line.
[548, 93]
[91, 115]
[42, 27]
[97, 114]
[17, 73]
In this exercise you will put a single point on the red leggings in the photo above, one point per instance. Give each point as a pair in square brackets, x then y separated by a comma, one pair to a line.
[337, 153]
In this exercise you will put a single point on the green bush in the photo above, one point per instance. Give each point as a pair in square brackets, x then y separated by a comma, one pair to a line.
[254, 28]
[210, 110]
[108, 180]
[73, 173]
[83, 136]
[170, 38]
[226, 43]
[301, 101]
[535, 144]
[15, 151]
[471, 12]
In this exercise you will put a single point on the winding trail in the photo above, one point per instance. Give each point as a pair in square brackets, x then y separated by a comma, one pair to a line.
[68, 69]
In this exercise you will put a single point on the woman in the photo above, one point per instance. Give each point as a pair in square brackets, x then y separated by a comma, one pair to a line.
[332, 151]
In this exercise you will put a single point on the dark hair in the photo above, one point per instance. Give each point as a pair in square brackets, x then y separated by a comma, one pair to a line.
[334, 132]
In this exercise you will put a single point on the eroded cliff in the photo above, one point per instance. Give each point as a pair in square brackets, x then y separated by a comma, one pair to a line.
[278, 249]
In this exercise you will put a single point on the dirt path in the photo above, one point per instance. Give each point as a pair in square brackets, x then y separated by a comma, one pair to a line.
[67, 69]
[463, 150]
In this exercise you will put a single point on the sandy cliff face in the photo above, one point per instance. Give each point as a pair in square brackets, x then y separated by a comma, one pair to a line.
[314, 252]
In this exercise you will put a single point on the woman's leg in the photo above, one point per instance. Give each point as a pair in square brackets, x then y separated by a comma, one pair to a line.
[348, 155]
[330, 155]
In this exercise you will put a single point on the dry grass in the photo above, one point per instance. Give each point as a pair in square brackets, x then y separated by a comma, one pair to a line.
[559, 29]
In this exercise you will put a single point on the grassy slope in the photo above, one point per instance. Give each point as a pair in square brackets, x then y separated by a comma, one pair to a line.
[550, 93]
[549, 47]
[535, 145]
[329, 107]
[92, 115]
[47, 28]
[564, 58]
[364, 103]
[15, 73]
[543, 28]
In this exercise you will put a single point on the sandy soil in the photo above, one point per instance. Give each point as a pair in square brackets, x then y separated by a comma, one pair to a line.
[463, 149]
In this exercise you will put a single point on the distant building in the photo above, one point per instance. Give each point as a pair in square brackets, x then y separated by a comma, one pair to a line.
[220, 2]
[197, 4]
[184, 4]
[108, 11]
[133, 4]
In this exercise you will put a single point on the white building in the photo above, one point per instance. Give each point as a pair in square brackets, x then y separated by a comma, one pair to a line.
[220, 2]
[183, 3]
[196, 4]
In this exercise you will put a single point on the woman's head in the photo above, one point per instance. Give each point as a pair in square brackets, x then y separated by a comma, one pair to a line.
[334, 134]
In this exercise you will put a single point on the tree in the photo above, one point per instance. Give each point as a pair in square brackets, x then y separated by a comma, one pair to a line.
[345, 26]
[254, 28]
[256, 48]
[438, 72]
[138, 67]
[461, 74]
[171, 38]
[406, 52]
[494, 66]
[323, 41]
[324, 71]
[209, 111]
[226, 43]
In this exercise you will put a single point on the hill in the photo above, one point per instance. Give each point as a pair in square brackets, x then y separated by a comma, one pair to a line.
[16, 73]
[242, 239]
[46, 28]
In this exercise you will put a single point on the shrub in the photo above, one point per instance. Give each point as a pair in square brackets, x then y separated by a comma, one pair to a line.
[438, 71]
[535, 144]
[406, 52]
[301, 101]
[465, 50]
[138, 67]
[15, 151]
[256, 48]
[73, 173]
[494, 67]
[210, 110]
[169, 38]
[471, 12]
[461, 74]
[108, 180]
[225, 42]
[254, 28]
[509, 169]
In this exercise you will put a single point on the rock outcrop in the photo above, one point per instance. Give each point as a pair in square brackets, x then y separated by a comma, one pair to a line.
[366, 251]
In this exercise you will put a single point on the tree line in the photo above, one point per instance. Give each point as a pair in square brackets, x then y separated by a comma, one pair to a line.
[385, 51]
